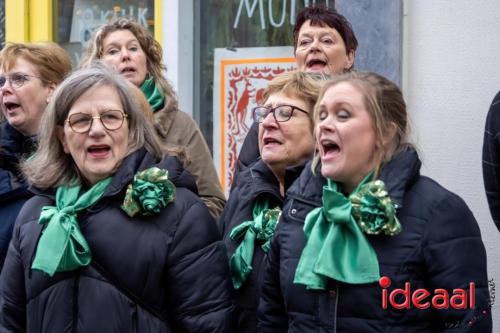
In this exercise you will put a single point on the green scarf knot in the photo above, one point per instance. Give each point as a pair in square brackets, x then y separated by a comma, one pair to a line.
[62, 246]
[154, 95]
[150, 191]
[336, 247]
[261, 228]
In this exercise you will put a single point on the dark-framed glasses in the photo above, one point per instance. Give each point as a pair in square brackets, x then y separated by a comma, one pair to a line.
[110, 120]
[17, 80]
[280, 113]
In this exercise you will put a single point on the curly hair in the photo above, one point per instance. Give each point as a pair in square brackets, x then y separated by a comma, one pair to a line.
[152, 49]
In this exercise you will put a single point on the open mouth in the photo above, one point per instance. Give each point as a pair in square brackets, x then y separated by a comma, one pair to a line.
[271, 142]
[99, 151]
[128, 70]
[11, 106]
[330, 149]
[316, 64]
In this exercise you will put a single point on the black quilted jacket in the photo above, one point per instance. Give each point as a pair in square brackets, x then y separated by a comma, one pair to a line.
[440, 246]
[173, 262]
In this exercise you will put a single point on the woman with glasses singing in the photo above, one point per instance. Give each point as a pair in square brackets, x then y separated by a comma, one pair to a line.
[137, 56]
[254, 205]
[29, 74]
[115, 240]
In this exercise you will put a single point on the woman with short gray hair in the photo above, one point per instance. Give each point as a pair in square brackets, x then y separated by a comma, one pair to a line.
[111, 241]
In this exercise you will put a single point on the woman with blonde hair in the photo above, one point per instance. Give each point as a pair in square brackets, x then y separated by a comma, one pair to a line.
[286, 143]
[116, 239]
[138, 57]
[29, 74]
[362, 225]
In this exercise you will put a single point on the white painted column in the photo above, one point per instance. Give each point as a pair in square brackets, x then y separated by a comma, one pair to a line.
[178, 45]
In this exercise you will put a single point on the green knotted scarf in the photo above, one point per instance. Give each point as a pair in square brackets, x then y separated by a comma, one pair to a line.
[260, 228]
[153, 93]
[336, 247]
[62, 246]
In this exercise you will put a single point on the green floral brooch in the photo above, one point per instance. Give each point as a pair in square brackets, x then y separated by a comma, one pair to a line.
[149, 192]
[374, 211]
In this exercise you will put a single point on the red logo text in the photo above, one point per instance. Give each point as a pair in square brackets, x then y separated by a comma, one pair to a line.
[423, 299]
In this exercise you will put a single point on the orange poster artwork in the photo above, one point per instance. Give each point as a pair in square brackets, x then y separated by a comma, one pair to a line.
[238, 87]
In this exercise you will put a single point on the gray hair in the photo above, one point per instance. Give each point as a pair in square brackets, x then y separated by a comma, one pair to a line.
[50, 166]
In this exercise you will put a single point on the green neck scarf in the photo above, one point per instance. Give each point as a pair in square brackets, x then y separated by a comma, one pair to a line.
[154, 95]
[336, 247]
[62, 246]
[260, 228]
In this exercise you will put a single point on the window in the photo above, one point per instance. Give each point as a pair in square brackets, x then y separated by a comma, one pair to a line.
[75, 20]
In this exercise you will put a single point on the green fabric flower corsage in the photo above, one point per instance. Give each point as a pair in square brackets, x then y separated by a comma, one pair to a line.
[148, 193]
[374, 211]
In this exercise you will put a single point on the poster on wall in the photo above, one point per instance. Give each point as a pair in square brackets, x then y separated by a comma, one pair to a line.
[240, 76]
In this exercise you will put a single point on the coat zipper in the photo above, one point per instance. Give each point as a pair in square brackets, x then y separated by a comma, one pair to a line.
[75, 303]
[336, 306]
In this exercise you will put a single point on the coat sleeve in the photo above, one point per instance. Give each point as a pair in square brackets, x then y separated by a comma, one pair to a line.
[186, 134]
[12, 290]
[455, 256]
[272, 316]
[198, 285]
[491, 159]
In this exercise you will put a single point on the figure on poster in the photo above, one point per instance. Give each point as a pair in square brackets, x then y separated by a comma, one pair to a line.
[324, 42]
[135, 54]
[116, 239]
[29, 73]
[254, 206]
[491, 159]
[363, 200]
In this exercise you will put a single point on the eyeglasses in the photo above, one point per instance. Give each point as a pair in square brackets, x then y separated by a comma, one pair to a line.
[17, 80]
[280, 113]
[82, 122]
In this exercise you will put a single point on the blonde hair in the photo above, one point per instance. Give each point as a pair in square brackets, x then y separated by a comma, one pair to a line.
[49, 60]
[384, 102]
[303, 86]
[51, 166]
[152, 49]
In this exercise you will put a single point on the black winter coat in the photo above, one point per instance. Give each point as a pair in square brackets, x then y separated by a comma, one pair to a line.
[439, 247]
[491, 159]
[173, 262]
[257, 181]
[13, 188]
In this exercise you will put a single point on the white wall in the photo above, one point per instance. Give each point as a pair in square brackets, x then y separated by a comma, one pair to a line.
[451, 74]
[178, 44]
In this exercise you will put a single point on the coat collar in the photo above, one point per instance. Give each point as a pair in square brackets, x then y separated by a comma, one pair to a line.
[141, 160]
[398, 175]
